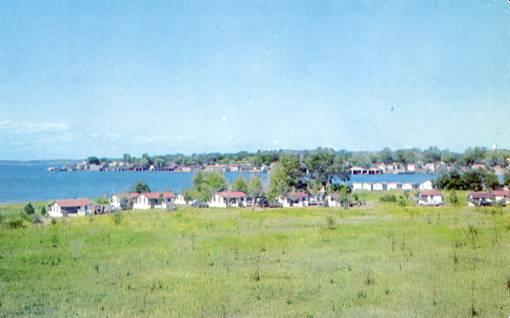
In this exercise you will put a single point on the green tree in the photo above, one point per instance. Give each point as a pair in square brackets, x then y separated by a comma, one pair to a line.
[93, 161]
[127, 158]
[205, 184]
[473, 180]
[104, 200]
[286, 174]
[29, 209]
[453, 198]
[324, 167]
[506, 178]
[240, 184]
[255, 187]
[141, 187]
[43, 211]
[491, 181]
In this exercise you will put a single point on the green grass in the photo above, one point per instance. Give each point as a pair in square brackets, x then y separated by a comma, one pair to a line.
[379, 261]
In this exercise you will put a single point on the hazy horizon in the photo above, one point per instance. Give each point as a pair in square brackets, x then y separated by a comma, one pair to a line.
[107, 78]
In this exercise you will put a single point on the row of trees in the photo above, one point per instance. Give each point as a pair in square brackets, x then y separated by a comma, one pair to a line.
[475, 180]
[491, 157]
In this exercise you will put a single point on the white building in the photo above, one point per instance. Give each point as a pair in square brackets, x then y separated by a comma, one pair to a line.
[427, 185]
[366, 186]
[392, 186]
[72, 207]
[407, 186]
[332, 201]
[357, 186]
[154, 200]
[502, 196]
[116, 202]
[179, 200]
[481, 198]
[430, 198]
[235, 199]
[294, 199]
[430, 167]
[123, 201]
[378, 186]
[411, 168]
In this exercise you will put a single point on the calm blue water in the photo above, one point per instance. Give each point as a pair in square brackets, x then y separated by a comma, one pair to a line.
[32, 182]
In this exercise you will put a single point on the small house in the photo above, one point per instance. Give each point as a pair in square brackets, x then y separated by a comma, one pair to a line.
[480, 198]
[357, 186]
[378, 186]
[235, 199]
[70, 207]
[426, 185]
[123, 201]
[179, 200]
[430, 198]
[392, 186]
[407, 186]
[502, 196]
[294, 199]
[366, 186]
[154, 200]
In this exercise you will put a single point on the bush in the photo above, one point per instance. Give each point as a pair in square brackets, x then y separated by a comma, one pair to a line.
[53, 221]
[43, 211]
[453, 197]
[388, 198]
[15, 223]
[37, 219]
[117, 218]
[29, 209]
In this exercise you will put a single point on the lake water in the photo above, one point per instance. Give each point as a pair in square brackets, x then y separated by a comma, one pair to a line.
[20, 182]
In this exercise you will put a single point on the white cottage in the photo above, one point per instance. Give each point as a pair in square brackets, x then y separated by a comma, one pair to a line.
[407, 186]
[430, 198]
[225, 199]
[379, 186]
[481, 198]
[72, 207]
[502, 196]
[366, 186]
[357, 186]
[179, 200]
[426, 185]
[392, 186]
[154, 200]
[123, 201]
[294, 199]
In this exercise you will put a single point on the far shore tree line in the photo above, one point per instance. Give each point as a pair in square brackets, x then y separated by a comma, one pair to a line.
[472, 155]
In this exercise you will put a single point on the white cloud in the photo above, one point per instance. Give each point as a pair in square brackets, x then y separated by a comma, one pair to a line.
[28, 128]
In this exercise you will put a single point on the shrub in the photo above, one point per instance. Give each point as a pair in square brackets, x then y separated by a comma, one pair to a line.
[330, 222]
[388, 198]
[43, 211]
[453, 197]
[29, 209]
[37, 219]
[53, 221]
[16, 223]
[117, 218]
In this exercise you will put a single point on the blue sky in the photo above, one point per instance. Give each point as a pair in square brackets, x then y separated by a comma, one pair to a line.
[109, 77]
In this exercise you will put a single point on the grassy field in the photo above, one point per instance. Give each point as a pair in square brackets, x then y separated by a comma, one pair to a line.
[382, 260]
